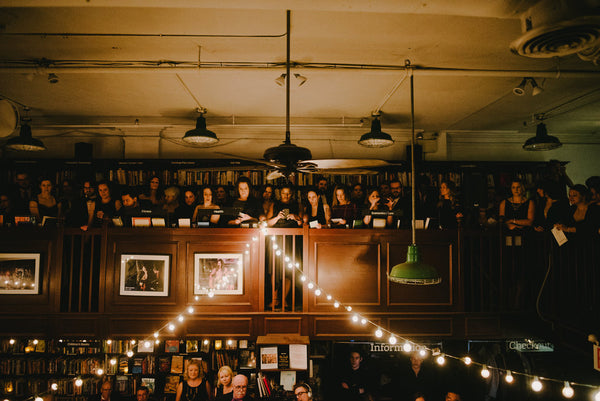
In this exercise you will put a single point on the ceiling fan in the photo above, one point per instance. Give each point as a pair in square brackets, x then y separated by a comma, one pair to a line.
[286, 159]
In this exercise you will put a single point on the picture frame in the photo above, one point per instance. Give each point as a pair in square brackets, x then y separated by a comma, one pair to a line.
[20, 273]
[219, 273]
[144, 275]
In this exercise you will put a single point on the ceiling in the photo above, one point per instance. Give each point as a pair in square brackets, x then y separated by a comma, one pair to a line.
[130, 77]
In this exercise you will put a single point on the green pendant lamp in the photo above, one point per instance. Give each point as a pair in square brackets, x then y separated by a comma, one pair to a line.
[413, 271]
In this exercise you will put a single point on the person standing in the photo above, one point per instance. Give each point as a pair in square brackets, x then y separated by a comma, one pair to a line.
[355, 384]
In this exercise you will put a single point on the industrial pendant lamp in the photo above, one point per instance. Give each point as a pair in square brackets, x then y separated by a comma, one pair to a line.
[376, 138]
[200, 135]
[413, 271]
[25, 141]
[541, 140]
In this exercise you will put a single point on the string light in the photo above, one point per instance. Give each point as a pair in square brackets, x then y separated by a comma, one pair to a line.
[318, 292]
[171, 327]
[132, 342]
[378, 333]
[467, 360]
[11, 341]
[355, 318]
[54, 386]
[509, 377]
[130, 353]
[311, 286]
[392, 340]
[78, 382]
[441, 360]
[329, 297]
[113, 361]
[536, 385]
[568, 391]
[180, 318]
[407, 347]
[336, 304]
[100, 372]
[485, 373]
[155, 334]
[363, 321]
[349, 308]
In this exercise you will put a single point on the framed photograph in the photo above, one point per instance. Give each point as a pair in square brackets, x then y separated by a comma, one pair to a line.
[145, 275]
[19, 273]
[219, 273]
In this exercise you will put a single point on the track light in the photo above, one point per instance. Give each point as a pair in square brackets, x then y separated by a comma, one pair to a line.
[301, 78]
[280, 80]
[200, 135]
[541, 140]
[520, 90]
[376, 138]
[536, 88]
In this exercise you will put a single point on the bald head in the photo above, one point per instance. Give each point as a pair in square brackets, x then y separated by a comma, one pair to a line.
[240, 386]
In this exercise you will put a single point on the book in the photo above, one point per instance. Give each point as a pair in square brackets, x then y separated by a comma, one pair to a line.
[268, 358]
[172, 346]
[140, 221]
[158, 222]
[137, 365]
[164, 364]
[171, 383]
[150, 383]
[177, 364]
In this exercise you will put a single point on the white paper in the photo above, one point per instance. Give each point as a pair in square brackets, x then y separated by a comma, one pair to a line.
[559, 236]
[313, 224]
[184, 223]
[158, 222]
[288, 379]
[298, 356]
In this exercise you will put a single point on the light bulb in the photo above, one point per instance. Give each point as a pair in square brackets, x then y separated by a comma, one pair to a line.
[536, 385]
[171, 327]
[568, 391]
[156, 341]
[329, 297]
[35, 342]
[423, 353]
[190, 310]
[509, 377]
[11, 341]
[363, 321]
[113, 361]
[348, 308]
[392, 340]
[290, 265]
[132, 342]
[206, 342]
[211, 294]
[78, 382]
[100, 372]
[130, 353]
[180, 318]
[303, 278]
[336, 304]
[440, 360]
[597, 396]
[278, 253]
[355, 318]
[485, 373]
[146, 344]
[311, 286]
[196, 298]
[54, 386]
[317, 292]
[38, 398]
[378, 333]
[467, 360]
[287, 259]
[156, 334]
[407, 347]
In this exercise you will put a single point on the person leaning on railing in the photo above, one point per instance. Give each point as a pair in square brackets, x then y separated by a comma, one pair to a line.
[584, 217]
[517, 210]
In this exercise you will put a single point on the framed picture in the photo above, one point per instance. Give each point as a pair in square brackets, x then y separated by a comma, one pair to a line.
[145, 275]
[19, 273]
[219, 273]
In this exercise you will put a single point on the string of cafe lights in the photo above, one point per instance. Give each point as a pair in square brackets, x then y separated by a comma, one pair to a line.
[394, 339]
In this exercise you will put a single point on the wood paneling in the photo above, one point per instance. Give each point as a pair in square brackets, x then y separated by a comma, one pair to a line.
[340, 327]
[432, 326]
[84, 327]
[219, 326]
[275, 325]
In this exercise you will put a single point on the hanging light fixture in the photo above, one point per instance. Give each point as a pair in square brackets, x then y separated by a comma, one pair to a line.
[413, 271]
[25, 141]
[520, 89]
[200, 135]
[376, 138]
[541, 140]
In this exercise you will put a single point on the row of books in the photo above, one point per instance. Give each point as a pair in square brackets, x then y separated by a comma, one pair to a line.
[264, 387]
[170, 346]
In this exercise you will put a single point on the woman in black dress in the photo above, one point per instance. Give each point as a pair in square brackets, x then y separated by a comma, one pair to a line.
[195, 387]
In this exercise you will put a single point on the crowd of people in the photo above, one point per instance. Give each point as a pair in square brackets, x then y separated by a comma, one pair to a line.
[387, 206]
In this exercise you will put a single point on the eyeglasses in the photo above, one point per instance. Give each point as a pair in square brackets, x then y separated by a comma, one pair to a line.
[299, 393]
[239, 387]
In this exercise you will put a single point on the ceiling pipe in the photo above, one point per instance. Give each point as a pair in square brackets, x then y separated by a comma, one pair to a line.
[450, 72]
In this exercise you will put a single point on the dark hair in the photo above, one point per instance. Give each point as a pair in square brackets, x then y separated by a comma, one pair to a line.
[143, 388]
[127, 190]
[305, 386]
[593, 182]
[583, 191]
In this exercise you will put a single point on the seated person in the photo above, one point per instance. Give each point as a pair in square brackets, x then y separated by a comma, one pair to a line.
[204, 210]
[248, 206]
[130, 207]
[286, 212]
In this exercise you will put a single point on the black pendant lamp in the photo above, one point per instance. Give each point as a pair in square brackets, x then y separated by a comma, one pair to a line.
[413, 271]
[200, 135]
[25, 141]
[541, 140]
[376, 138]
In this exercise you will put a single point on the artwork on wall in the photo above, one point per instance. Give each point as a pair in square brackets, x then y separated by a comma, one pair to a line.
[144, 275]
[219, 273]
[20, 273]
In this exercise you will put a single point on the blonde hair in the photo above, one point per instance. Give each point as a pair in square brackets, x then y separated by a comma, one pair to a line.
[224, 368]
[198, 364]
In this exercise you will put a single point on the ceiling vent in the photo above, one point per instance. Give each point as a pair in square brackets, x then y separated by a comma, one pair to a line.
[554, 28]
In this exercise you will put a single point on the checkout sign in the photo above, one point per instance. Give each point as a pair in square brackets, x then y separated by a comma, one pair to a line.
[529, 346]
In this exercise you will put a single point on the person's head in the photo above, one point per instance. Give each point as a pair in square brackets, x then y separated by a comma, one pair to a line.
[355, 360]
[341, 195]
[4, 201]
[105, 390]
[189, 197]
[578, 194]
[452, 396]
[45, 186]
[142, 393]
[154, 183]
[447, 190]
[358, 192]
[194, 370]
[171, 194]
[225, 375]
[22, 180]
[103, 190]
[267, 192]
[416, 360]
[395, 189]
[593, 184]
[240, 386]
[88, 188]
[221, 194]
[419, 397]
[220, 263]
[384, 190]
[303, 392]
[322, 185]
[207, 196]
[312, 197]
[243, 188]
[373, 196]
[286, 194]
[517, 188]
[129, 197]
